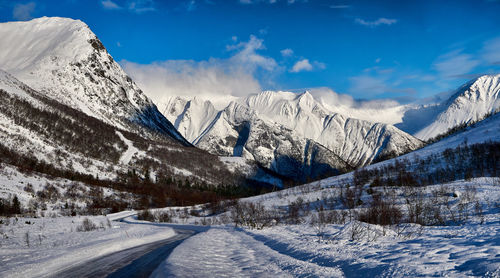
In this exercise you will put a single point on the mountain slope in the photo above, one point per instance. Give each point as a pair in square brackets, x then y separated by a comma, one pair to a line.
[63, 59]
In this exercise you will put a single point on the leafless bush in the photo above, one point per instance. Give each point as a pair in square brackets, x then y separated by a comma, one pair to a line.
[356, 231]
[253, 215]
[146, 215]
[414, 199]
[162, 216]
[296, 210]
[86, 226]
[381, 212]
[479, 211]
[337, 217]
[319, 220]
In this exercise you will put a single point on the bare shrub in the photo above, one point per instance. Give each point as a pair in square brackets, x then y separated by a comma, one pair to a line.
[414, 199]
[356, 232]
[253, 215]
[381, 212]
[296, 210]
[162, 216]
[146, 215]
[318, 221]
[86, 226]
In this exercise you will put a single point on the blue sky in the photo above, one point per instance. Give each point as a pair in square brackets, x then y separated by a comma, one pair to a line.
[367, 49]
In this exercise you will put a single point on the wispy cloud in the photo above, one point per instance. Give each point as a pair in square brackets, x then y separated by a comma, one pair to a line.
[490, 52]
[191, 6]
[339, 6]
[247, 54]
[368, 85]
[375, 23]
[141, 6]
[455, 64]
[377, 81]
[247, 2]
[23, 11]
[136, 6]
[287, 52]
[110, 5]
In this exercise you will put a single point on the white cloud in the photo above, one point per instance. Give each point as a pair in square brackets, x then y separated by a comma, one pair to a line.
[455, 64]
[247, 54]
[210, 79]
[378, 60]
[286, 52]
[110, 5]
[375, 23]
[305, 65]
[23, 11]
[215, 78]
[302, 65]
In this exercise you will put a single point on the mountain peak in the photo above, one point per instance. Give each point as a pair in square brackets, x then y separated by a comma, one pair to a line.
[470, 103]
[28, 44]
[63, 59]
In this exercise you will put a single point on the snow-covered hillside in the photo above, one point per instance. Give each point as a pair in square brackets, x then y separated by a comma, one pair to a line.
[40, 135]
[62, 58]
[471, 103]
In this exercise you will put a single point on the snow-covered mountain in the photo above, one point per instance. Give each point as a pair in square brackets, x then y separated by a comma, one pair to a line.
[274, 127]
[470, 103]
[36, 130]
[356, 134]
[62, 58]
[66, 103]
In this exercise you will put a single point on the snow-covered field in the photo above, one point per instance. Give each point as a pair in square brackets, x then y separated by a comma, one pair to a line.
[353, 249]
[297, 251]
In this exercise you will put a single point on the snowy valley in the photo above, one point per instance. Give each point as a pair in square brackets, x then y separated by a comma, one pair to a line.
[96, 179]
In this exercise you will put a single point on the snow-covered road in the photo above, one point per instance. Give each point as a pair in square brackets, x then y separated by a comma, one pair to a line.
[139, 261]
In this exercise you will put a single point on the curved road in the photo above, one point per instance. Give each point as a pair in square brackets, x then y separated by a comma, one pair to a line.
[139, 261]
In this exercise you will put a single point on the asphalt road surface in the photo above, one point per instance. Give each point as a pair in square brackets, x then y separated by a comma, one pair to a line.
[139, 261]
